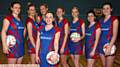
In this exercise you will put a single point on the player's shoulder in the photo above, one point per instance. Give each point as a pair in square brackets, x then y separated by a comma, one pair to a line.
[29, 20]
[40, 28]
[57, 29]
[98, 25]
[114, 18]
[81, 21]
[8, 17]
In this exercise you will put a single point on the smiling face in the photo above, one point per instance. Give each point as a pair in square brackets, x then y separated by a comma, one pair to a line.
[16, 8]
[60, 12]
[75, 12]
[43, 9]
[31, 10]
[91, 17]
[49, 18]
[107, 9]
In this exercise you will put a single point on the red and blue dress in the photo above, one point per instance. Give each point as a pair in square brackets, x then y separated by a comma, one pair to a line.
[61, 26]
[35, 27]
[90, 35]
[106, 32]
[46, 44]
[76, 48]
[16, 29]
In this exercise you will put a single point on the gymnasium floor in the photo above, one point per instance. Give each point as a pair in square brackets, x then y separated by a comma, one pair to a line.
[26, 59]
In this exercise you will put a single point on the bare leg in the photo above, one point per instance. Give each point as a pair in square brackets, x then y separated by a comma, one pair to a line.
[63, 61]
[72, 57]
[12, 60]
[103, 59]
[19, 60]
[110, 60]
[90, 62]
[32, 56]
[76, 60]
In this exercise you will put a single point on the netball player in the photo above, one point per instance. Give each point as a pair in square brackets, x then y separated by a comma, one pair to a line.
[43, 11]
[47, 40]
[75, 46]
[13, 25]
[92, 35]
[109, 27]
[62, 24]
[32, 27]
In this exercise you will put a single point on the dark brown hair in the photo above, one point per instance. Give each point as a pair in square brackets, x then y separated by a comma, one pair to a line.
[43, 4]
[29, 5]
[61, 8]
[107, 4]
[12, 4]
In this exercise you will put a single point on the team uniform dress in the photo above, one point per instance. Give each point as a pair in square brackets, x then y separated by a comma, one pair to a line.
[61, 26]
[35, 27]
[106, 34]
[76, 48]
[46, 44]
[90, 35]
[16, 29]
[42, 21]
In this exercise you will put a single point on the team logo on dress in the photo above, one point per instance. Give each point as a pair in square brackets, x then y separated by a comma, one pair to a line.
[52, 58]
[113, 49]
[75, 35]
[10, 40]
[17, 23]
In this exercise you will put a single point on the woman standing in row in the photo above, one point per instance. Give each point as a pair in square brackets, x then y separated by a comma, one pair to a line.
[75, 46]
[109, 27]
[63, 25]
[13, 26]
[47, 40]
[43, 11]
[92, 36]
[32, 27]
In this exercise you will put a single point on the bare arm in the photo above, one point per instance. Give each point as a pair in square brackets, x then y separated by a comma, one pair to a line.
[115, 32]
[56, 41]
[66, 35]
[6, 24]
[83, 31]
[38, 43]
[30, 35]
[97, 37]
[37, 48]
